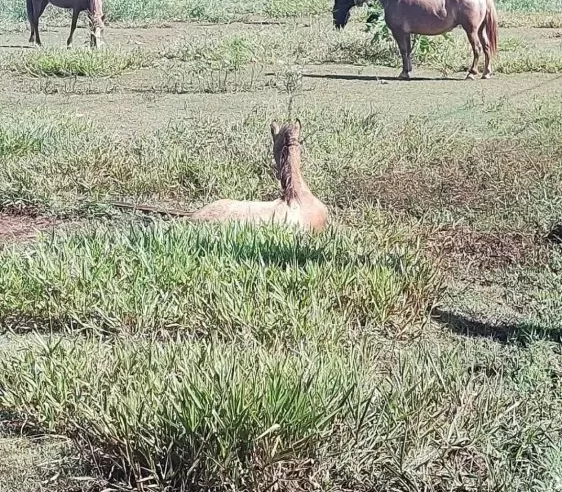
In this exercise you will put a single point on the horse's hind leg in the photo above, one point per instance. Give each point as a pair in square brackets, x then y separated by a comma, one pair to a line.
[487, 52]
[474, 39]
[404, 41]
[75, 14]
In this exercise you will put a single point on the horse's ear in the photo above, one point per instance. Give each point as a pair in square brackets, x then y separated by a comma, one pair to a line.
[274, 128]
[298, 124]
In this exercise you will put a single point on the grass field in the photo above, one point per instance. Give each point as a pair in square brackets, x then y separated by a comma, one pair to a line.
[413, 345]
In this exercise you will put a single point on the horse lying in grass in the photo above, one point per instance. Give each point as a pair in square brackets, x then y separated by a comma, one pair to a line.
[478, 18]
[35, 9]
[297, 205]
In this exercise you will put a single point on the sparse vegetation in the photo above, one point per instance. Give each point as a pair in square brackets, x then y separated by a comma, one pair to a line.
[76, 62]
[414, 345]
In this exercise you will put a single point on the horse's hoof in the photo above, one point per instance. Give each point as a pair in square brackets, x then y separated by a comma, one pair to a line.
[404, 76]
[487, 76]
[471, 76]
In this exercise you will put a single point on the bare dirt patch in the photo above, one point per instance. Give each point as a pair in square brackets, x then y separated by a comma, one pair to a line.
[456, 246]
[18, 228]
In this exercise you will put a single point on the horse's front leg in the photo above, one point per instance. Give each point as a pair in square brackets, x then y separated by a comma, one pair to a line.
[404, 41]
[39, 7]
[30, 19]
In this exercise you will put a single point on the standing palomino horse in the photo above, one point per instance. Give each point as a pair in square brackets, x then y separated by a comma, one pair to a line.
[433, 17]
[35, 9]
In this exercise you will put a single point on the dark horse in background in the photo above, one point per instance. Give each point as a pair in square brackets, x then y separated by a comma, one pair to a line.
[433, 17]
[35, 9]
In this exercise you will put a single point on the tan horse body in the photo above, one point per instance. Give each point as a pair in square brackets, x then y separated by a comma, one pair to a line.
[35, 9]
[478, 18]
[297, 206]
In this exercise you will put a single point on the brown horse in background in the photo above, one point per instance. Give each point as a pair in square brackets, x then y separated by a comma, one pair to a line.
[35, 9]
[433, 17]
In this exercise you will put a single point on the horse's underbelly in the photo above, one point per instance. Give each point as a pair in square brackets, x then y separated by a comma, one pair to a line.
[69, 4]
[429, 28]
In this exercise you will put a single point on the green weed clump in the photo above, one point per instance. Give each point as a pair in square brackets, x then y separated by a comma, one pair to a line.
[267, 283]
[184, 415]
[76, 62]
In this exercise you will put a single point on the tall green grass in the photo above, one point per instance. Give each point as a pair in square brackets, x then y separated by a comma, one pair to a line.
[209, 62]
[530, 5]
[432, 416]
[266, 284]
[215, 11]
[184, 10]
[185, 415]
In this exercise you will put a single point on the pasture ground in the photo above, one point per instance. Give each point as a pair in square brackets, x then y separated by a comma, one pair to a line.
[414, 346]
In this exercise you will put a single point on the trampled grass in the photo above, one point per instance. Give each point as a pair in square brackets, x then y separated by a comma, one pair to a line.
[199, 281]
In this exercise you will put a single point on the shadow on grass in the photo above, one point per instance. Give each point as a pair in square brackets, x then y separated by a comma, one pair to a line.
[507, 333]
[377, 78]
[17, 47]
[555, 235]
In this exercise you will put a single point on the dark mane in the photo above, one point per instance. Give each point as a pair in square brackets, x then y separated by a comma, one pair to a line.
[285, 170]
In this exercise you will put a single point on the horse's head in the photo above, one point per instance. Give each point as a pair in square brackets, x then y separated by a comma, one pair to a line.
[341, 11]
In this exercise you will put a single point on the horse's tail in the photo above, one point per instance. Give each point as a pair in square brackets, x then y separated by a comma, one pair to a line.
[491, 21]
[30, 10]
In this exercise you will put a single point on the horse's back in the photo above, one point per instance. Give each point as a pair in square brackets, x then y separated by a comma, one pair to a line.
[430, 17]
